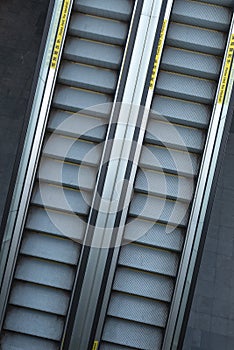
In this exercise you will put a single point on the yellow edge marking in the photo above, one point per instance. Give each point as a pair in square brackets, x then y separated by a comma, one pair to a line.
[158, 54]
[226, 72]
[95, 345]
[60, 32]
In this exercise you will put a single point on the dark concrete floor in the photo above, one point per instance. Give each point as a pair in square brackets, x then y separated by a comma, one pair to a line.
[211, 321]
[21, 28]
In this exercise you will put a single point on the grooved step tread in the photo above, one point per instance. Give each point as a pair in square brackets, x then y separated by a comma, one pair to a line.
[38, 297]
[132, 334]
[181, 111]
[120, 10]
[13, 341]
[98, 29]
[50, 248]
[45, 272]
[186, 87]
[138, 309]
[191, 63]
[59, 198]
[153, 234]
[56, 223]
[34, 323]
[164, 185]
[76, 99]
[87, 77]
[149, 259]
[70, 175]
[144, 284]
[169, 160]
[174, 136]
[94, 53]
[197, 39]
[72, 150]
[201, 14]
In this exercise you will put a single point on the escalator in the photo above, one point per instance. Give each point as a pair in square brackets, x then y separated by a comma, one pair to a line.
[47, 261]
[184, 94]
[135, 302]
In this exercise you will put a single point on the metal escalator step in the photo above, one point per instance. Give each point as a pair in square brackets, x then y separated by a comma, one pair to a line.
[181, 111]
[191, 63]
[94, 53]
[55, 223]
[174, 136]
[87, 77]
[34, 323]
[17, 341]
[131, 334]
[201, 14]
[50, 248]
[98, 29]
[186, 87]
[120, 10]
[169, 160]
[138, 309]
[196, 39]
[75, 99]
[149, 259]
[144, 284]
[164, 185]
[59, 198]
[38, 297]
[162, 210]
[154, 234]
[217, 2]
[67, 174]
[85, 127]
[44, 272]
[69, 149]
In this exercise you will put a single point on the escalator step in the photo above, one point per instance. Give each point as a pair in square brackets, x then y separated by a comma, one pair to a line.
[164, 185]
[42, 298]
[91, 52]
[87, 77]
[13, 341]
[196, 39]
[132, 334]
[186, 87]
[201, 14]
[55, 223]
[44, 272]
[68, 174]
[191, 63]
[144, 284]
[154, 234]
[99, 29]
[34, 323]
[149, 259]
[74, 99]
[111, 9]
[174, 136]
[46, 247]
[181, 111]
[138, 309]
